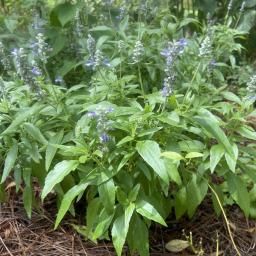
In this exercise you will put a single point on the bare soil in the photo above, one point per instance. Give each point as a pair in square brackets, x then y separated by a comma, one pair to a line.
[21, 236]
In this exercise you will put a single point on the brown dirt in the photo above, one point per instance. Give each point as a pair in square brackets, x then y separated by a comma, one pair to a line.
[20, 236]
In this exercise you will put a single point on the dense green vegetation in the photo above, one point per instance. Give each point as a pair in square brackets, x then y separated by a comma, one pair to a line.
[137, 109]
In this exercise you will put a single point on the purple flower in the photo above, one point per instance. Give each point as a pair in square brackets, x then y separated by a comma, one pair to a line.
[104, 138]
[165, 92]
[253, 97]
[36, 71]
[165, 52]
[58, 79]
[15, 52]
[92, 114]
[106, 63]
[90, 63]
[213, 63]
[183, 42]
[110, 110]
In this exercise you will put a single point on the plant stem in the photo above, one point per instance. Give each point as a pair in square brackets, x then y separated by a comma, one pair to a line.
[192, 80]
[141, 83]
[226, 219]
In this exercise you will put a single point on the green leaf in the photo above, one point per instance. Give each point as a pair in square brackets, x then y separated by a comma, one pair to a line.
[92, 212]
[65, 12]
[148, 210]
[173, 171]
[213, 128]
[60, 171]
[239, 192]
[150, 152]
[138, 236]
[107, 193]
[194, 155]
[124, 160]
[21, 116]
[231, 161]
[120, 228]
[134, 193]
[10, 161]
[27, 200]
[68, 199]
[51, 150]
[231, 97]
[104, 221]
[216, 204]
[101, 28]
[196, 191]
[124, 140]
[172, 155]
[35, 133]
[2, 193]
[180, 203]
[247, 133]
[216, 153]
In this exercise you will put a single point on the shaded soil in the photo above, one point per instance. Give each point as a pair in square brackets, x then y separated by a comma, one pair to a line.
[20, 236]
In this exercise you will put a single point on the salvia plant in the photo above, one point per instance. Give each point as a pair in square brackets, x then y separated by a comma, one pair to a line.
[136, 114]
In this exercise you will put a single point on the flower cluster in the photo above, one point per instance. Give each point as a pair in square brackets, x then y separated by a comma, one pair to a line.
[4, 58]
[230, 5]
[28, 73]
[171, 53]
[122, 12]
[40, 48]
[251, 87]
[108, 2]
[103, 124]
[38, 23]
[79, 28]
[20, 61]
[120, 45]
[241, 10]
[205, 49]
[138, 52]
[96, 58]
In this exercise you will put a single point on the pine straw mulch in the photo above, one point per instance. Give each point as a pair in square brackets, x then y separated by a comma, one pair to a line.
[20, 236]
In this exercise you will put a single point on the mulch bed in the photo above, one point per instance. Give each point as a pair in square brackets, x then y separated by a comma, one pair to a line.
[20, 236]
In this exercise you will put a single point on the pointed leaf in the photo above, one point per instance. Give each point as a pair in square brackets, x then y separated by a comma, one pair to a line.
[231, 161]
[51, 150]
[27, 200]
[180, 203]
[120, 228]
[149, 211]
[172, 155]
[194, 155]
[138, 236]
[107, 192]
[247, 133]
[67, 200]
[213, 128]
[150, 152]
[60, 171]
[10, 161]
[35, 133]
[216, 153]
[21, 117]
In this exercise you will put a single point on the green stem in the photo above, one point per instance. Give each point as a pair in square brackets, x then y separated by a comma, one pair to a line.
[192, 80]
[141, 83]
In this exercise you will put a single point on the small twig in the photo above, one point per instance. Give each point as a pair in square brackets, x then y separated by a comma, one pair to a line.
[226, 220]
[5, 246]
[73, 245]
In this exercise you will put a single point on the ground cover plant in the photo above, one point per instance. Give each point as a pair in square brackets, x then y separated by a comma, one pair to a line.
[127, 113]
